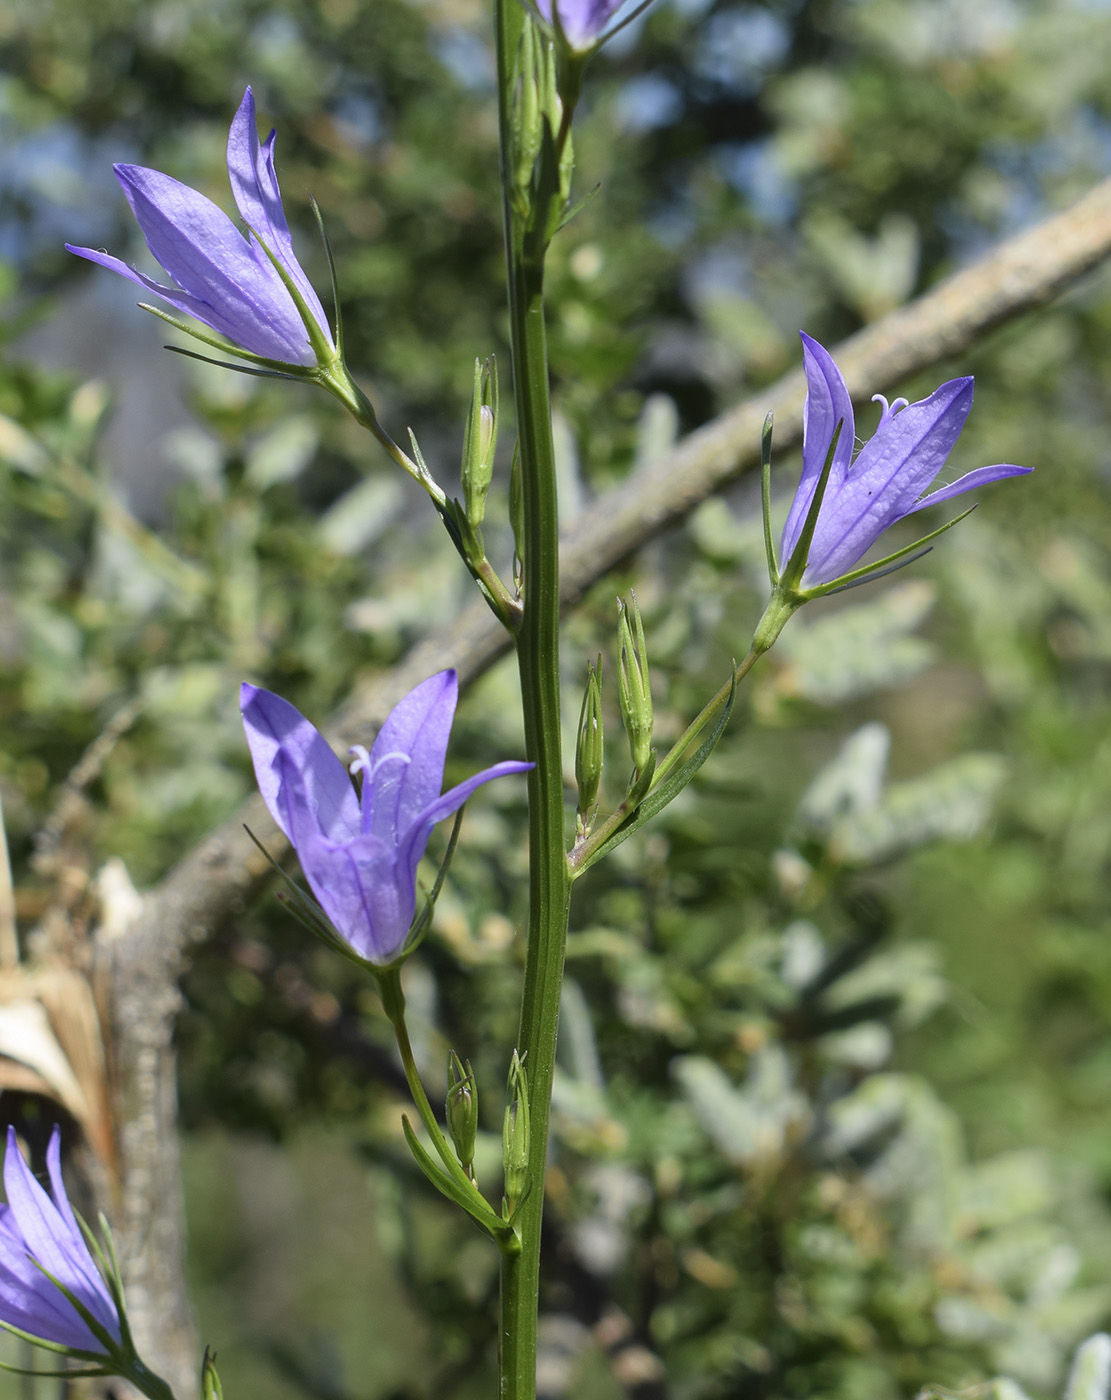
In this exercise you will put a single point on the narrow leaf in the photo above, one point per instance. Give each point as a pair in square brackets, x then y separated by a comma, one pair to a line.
[478, 1210]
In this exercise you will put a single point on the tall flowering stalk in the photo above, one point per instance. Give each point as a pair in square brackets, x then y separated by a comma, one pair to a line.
[360, 846]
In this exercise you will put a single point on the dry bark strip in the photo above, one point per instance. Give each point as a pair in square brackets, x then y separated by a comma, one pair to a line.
[139, 967]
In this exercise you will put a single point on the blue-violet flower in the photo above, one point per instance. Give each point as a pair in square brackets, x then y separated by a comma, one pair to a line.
[40, 1232]
[228, 281]
[360, 853]
[863, 498]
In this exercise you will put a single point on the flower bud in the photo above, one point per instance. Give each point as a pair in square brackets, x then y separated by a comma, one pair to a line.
[537, 116]
[633, 683]
[462, 1109]
[479, 441]
[589, 751]
[515, 1137]
[517, 518]
[528, 120]
[211, 1389]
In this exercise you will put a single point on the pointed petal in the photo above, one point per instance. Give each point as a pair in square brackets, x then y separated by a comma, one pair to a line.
[292, 760]
[982, 476]
[413, 842]
[254, 183]
[27, 1297]
[209, 258]
[418, 726]
[98, 1300]
[827, 404]
[357, 883]
[209, 315]
[893, 469]
[47, 1236]
[58, 1186]
[35, 1214]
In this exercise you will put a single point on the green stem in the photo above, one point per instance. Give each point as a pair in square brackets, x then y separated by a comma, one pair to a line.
[782, 606]
[455, 1182]
[538, 661]
[340, 384]
[393, 1003]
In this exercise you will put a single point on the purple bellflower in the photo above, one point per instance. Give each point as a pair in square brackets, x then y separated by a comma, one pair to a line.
[40, 1232]
[865, 497]
[581, 21]
[842, 506]
[360, 853]
[51, 1289]
[251, 290]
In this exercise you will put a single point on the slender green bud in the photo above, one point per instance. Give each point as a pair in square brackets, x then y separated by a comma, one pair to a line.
[633, 683]
[528, 112]
[517, 517]
[589, 751]
[211, 1389]
[553, 98]
[552, 107]
[479, 441]
[462, 1110]
[515, 1137]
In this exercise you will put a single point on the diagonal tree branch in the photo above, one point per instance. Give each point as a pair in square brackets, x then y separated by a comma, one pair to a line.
[211, 881]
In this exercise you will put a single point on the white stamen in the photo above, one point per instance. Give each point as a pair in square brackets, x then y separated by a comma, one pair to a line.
[889, 409]
[362, 762]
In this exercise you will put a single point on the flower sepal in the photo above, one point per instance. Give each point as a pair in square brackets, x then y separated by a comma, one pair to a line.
[888, 565]
[271, 369]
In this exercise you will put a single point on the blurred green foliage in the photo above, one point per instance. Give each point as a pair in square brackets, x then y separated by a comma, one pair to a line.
[831, 1115]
